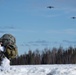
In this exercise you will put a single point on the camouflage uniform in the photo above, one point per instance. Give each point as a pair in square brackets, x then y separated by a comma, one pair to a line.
[9, 42]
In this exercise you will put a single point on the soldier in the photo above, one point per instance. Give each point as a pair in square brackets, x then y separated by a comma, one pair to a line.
[8, 50]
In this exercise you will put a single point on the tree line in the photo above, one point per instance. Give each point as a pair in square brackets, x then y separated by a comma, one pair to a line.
[47, 56]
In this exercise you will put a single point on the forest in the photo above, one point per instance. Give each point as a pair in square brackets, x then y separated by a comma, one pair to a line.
[47, 56]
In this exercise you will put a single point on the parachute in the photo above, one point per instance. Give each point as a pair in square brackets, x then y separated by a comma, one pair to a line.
[9, 42]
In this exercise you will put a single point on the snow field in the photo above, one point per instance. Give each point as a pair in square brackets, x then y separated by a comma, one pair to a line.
[40, 70]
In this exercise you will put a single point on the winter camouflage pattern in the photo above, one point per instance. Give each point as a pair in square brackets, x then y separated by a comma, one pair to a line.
[8, 39]
[9, 42]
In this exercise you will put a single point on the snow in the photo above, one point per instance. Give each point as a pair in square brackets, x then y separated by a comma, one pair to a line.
[5, 64]
[40, 70]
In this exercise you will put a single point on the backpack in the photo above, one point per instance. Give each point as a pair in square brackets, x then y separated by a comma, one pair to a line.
[9, 42]
[11, 51]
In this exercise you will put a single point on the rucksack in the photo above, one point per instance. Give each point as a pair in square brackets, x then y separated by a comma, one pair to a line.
[11, 51]
[9, 42]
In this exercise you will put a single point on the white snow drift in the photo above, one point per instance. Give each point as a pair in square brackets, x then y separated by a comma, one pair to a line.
[40, 70]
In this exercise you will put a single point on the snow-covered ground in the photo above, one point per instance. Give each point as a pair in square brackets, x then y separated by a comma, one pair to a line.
[40, 70]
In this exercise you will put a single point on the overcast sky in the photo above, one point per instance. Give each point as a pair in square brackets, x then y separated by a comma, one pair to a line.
[35, 26]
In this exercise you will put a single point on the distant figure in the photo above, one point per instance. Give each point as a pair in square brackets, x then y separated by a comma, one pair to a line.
[73, 17]
[50, 7]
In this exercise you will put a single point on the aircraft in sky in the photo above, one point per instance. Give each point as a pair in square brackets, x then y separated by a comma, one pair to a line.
[50, 7]
[73, 17]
